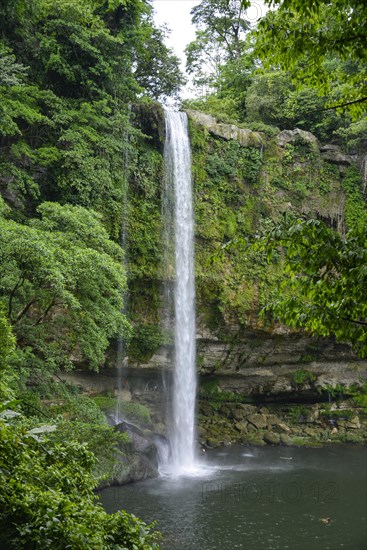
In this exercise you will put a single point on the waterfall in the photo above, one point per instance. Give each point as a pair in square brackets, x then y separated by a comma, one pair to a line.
[178, 186]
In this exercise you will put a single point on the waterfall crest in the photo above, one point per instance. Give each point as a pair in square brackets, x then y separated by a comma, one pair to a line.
[177, 156]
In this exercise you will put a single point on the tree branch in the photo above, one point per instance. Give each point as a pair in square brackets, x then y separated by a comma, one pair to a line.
[363, 323]
[25, 309]
[361, 100]
[12, 293]
[53, 303]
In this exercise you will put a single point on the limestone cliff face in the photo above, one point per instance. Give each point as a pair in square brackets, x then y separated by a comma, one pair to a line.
[246, 138]
[242, 181]
[260, 364]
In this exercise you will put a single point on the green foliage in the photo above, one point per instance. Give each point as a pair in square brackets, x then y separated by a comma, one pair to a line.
[265, 99]
[144, 220]
[146, 339]
[128, 409]
[83, 409]
[47, 498]
[134, 411]
[211, 391]
[238, 191]
[62, 284]
[68, 72]
[48, 479]
[298, 413]
[354, 136]
[7, 346]
[326, 276]
[299, 36]
[361, 401]
[157, 69]
[221, 28]
[105, 403]
[336, 414]
[302, 376]
[356, 206]
[223, 109]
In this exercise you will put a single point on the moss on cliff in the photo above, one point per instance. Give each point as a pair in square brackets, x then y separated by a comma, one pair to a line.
[237, 192]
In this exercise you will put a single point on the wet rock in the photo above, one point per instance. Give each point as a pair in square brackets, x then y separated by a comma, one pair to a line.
[248, 409]
[227, 411]
[129, 469]
[310, 432]
[239, 414]
[284, 427]
[333, 154]
[264, 410]
[160, 427]
[251, 428]
[254, 439]
[241, 426]
[273, 420]
[314, 413]
[271, 438]
[142, 468]
[296, 136]
[141, 442]
[201, 431]
[285, 439]
[206, 408]
[258, 420]
[246, 138]
[353, 423]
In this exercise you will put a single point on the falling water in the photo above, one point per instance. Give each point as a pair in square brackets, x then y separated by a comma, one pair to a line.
[178, 171]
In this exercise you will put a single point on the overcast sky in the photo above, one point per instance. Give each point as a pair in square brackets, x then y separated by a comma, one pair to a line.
[176, 13]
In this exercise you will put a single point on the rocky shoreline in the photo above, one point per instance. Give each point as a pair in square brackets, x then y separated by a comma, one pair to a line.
[290, 424]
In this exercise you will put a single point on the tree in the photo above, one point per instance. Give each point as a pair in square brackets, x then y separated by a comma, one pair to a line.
[225, 20]
[157, 68]
[325, 278]
[62, 284]
[68, 73]
[300, 36]
[47, 498]
[47, 495]
[221, 30]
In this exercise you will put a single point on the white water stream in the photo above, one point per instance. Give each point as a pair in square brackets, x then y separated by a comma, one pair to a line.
[178, 175]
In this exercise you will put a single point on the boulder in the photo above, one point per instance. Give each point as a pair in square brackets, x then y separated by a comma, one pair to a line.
[134, 468]
[141, 442]
[333, 154]
[296, 136]
[248, 409]
[353, 423]
[241, 426]
[239, 414]
[282, 426]
[258, 420]
[310, 432]
[271, 438]
[246, 138]
[285, 439]
[273, 420]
